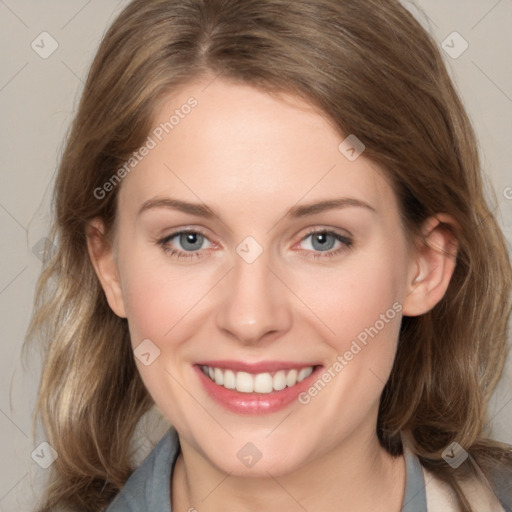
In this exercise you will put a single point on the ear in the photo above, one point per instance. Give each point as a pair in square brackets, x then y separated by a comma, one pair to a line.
[432, 266]
[102, 255]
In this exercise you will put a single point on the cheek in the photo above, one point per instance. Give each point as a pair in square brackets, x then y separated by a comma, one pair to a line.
[359, 299]
[359, 306]
[159, 296]
[162, 302]
[360, 311]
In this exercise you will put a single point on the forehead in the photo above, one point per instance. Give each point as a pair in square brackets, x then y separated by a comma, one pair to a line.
[233, 145]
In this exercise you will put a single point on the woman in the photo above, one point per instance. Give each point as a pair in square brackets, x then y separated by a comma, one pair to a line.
[271, 224]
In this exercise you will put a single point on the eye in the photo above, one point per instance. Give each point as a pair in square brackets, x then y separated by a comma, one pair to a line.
[321, 243]
[191, 242]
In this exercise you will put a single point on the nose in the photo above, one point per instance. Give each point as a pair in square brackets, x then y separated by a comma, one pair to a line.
[254, 308]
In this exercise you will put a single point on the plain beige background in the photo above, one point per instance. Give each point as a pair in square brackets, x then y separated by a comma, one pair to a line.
[37, 101]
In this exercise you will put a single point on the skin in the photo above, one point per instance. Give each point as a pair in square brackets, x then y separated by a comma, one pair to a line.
[250, 157]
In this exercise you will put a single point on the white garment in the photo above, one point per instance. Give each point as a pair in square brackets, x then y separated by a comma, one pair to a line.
[442, 498]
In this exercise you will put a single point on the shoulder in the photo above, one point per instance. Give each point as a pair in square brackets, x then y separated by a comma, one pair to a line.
[442, 498]
[148, 488]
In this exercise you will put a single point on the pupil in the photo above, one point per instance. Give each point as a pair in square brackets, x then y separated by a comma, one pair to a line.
[321, 241]
[191, 241]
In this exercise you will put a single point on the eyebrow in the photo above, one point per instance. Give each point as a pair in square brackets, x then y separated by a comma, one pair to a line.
[202, 210]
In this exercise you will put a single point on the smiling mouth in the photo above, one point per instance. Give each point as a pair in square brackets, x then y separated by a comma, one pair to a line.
[264, 383]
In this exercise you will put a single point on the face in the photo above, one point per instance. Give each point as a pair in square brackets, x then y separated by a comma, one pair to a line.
[228, 268]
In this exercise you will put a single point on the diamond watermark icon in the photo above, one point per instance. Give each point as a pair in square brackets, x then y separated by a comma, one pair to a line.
[455, 45]
[249, 249]
[44, 455]
[146, 352]
[249, 455]
[454, 455]
[44, 45]
[351, 148]
[44, 249]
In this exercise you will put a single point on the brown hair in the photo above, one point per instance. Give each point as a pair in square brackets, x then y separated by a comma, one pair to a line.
[348, 59]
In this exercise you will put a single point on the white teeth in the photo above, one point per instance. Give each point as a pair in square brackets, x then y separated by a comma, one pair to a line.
[291, 377]
[229, 379]
[279, 381]
[219, 377]
[244, 382]
[263, 383]
[260, 383]
[304, 372]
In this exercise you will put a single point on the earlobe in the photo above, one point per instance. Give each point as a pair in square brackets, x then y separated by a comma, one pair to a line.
[102, 255]
[432, 266]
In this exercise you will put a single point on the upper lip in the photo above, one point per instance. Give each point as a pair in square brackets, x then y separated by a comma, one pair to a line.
[260, 367]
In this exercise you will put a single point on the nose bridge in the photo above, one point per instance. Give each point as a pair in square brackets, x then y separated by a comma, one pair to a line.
[254, 304]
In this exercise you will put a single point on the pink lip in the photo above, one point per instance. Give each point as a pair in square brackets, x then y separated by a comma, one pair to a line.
[254, 403]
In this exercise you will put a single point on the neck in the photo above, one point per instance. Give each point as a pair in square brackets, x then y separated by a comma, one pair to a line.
[357, 475]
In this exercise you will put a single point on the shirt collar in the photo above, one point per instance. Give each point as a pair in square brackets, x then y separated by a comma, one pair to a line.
[148, 488]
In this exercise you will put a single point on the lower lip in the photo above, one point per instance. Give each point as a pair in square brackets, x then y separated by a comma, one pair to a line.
[254, 403]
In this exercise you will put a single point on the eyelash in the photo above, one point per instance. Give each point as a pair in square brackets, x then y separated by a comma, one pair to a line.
[173, 253]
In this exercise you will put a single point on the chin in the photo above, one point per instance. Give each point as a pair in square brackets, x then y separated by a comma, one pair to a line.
[257, 459]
